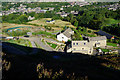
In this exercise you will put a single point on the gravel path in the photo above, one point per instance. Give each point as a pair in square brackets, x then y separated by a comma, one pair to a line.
[42, 45]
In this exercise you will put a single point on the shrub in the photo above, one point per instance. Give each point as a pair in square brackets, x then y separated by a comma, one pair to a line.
[89, 31]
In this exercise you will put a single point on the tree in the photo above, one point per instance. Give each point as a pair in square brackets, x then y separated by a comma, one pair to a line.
[75, 23]
[4, 18]
[31, 14]
[23, 18]
[79, 28]
[95, 24]
[36, 16]
[81, 38]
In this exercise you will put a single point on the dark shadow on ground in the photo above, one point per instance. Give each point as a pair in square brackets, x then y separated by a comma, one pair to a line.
[24, 66]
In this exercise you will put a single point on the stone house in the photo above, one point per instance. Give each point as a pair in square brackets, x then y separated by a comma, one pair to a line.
[86, 46]
[99, 41]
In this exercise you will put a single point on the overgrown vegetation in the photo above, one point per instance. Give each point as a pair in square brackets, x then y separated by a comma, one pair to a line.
[44, 33]
[52, 45]
[21, 42]
[114, 59]
[82, 31]
[112, 44]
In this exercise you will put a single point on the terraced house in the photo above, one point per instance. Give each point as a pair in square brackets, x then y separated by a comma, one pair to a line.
[86, 46]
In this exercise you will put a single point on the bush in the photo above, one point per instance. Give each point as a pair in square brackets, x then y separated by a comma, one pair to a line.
[18, 33]
[89, 31]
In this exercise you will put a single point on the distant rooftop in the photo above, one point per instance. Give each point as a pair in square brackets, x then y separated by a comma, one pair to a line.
[97, 38]
[104, 34]
[67, 32]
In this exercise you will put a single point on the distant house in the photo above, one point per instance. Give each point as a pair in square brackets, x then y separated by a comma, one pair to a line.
[0, 13]
[50, 9]
[74, 12]
[9, 38]
[64, 15]
[58, 12]
[29, 33]
[102, 33]
[50, 21]
[31, 18]
[61, 8]
[65, 36]
[41, 11]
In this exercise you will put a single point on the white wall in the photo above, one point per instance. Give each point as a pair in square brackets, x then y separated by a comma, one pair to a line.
[82, 49]
[59, 37]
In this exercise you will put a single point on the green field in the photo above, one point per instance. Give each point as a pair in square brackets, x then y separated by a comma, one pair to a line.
[105, 50]
[112, 44]
[21, 42]
[45, 33]
[59, 23]
[52, 45]
[109, 21]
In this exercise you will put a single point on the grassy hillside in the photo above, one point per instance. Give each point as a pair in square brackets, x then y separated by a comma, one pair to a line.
[56, 23]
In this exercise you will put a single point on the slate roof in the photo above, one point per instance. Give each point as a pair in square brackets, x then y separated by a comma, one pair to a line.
[97, 38]
[67, 32]
[104, 34]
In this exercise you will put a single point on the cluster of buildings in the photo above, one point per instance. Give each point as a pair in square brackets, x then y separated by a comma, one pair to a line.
[111, 7]
[83, 3]
[83, 46]
[23, 9]
[65, 14]
[114, 7]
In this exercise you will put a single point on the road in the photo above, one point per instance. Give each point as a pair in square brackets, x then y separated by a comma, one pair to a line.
[39, 42]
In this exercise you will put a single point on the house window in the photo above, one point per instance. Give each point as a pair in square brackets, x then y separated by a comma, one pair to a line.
[84, 43]
[76, 43]
[73, 43]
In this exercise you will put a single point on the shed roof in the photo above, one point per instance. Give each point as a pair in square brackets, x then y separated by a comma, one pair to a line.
[104, 34]
[67, 32]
